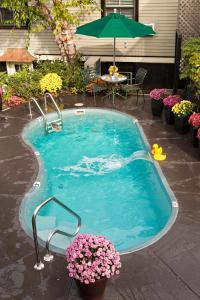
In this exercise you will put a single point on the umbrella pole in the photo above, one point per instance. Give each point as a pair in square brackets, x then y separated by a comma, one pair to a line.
[114, 52]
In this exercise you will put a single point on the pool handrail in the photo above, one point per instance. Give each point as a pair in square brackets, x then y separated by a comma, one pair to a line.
[38, 106]
[39, 265]
[54, 102]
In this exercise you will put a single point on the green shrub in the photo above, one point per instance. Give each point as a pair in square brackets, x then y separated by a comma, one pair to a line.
[191, 60]
[24, 83]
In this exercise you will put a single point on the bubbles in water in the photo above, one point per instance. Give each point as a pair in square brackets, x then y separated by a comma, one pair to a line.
[100, 165]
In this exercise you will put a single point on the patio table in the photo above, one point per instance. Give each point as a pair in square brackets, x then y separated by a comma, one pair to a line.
[114, 81]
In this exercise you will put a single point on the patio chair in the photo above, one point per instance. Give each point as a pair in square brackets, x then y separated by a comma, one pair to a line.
[94, 83]
[136, 87]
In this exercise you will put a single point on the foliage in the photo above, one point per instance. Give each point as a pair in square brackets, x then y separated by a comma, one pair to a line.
[92, 257]
[51, 82]
[194, 119]
[59, 17]
[171, 100]
[157, 94]
[23, 84]
[73, 75]
[183, 108]
[26, 83]
[38, 15]
[191, 59]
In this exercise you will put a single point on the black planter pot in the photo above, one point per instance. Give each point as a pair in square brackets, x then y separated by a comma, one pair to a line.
[156, 107]
[181, 124]
[194, 139]
[169, 116]
[92, 291]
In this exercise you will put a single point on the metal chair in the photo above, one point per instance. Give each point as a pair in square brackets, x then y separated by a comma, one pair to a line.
[93, 79]
[136, 87]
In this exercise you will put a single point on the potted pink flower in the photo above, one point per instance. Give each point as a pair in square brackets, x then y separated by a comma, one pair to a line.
[194, 121]
[169, 102]
[91, 261]
[157, 96]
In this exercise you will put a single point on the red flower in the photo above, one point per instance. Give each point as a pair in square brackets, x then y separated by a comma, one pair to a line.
[194, 119]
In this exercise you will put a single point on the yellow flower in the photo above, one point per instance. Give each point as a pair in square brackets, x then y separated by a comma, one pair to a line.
[51, 82]
[183, 108]
[112, 70]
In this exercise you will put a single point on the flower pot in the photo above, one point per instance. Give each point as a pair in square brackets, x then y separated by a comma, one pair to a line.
[169, 116]
[92, 291]
[194, 139]
[181, 124]
[156, 107]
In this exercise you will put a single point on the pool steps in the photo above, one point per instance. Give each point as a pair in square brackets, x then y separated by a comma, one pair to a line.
[48, 124]
[50, 229]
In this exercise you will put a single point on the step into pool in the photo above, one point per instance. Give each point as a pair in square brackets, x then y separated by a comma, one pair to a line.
[100, 166]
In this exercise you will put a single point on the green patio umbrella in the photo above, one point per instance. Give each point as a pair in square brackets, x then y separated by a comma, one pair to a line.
[115, 26]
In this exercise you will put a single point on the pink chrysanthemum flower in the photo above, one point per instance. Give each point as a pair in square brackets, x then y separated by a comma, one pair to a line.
[91, 257]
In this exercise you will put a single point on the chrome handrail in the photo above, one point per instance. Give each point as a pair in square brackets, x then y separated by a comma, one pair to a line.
[38, 106]
[54, 102]
[39, 265]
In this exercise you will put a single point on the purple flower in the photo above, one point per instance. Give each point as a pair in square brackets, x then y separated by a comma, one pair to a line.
[171, 100]
[157, 94]
[92, 257]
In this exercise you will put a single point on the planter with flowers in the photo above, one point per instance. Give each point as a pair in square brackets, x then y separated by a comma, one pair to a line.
[198, 137]
[194, 121]
[157, 96]
[169, 102]
[182, 111]
[113, 71]
[91, 261]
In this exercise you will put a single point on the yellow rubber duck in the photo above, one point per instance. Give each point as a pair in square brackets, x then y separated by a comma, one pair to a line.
[157, 152]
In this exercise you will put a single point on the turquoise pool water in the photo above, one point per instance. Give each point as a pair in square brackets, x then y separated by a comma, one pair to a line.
[100, 167]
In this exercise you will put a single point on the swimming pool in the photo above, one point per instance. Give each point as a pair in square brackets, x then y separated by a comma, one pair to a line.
[99, 165]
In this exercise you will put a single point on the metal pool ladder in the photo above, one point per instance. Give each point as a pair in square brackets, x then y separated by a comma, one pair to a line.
[49, 125]
[49, 257]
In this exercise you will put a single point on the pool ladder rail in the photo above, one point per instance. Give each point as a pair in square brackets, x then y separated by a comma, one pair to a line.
[49, 256]
[49, 125]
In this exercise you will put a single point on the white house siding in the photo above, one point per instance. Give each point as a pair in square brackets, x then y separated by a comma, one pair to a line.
[159, 12]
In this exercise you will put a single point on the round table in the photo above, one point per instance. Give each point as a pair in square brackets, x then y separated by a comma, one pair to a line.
[113, 80]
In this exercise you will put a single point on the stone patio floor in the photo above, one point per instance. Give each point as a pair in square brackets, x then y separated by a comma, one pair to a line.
[167, 270]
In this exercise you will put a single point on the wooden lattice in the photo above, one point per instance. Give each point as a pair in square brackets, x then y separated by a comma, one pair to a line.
[189, 18]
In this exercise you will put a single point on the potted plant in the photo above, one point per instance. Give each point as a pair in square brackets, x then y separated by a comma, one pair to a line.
[194, 121]
[182, 111]
[169, 102]
[198, 135]
[157, 96]
[91, 261]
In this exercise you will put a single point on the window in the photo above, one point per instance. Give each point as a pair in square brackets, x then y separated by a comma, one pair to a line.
[5, 15]
[127, 7]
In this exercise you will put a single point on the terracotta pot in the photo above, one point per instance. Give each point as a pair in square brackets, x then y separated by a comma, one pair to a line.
[181, 124]
[169, 116]
[194, 139]
[156, 107]
[92, 291]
